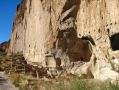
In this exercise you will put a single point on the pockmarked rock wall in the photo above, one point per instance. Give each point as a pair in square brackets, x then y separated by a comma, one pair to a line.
[57, 32]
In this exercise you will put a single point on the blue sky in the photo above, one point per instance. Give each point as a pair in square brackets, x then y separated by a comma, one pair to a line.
[7, 13]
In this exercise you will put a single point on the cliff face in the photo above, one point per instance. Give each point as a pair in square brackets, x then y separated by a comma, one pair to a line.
[57, 32]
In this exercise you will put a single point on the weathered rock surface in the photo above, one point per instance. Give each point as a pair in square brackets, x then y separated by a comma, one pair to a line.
[57, 33]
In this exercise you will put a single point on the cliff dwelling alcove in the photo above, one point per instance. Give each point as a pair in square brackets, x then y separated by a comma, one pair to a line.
[114, 41]
[68, 47]
[77, 49]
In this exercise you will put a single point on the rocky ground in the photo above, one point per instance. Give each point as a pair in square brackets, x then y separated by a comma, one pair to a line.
[26, 76]
[17, 73]
[5, 82]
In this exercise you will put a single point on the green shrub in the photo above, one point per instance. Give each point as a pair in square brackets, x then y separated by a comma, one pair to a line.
[17, 82]
[83, 85]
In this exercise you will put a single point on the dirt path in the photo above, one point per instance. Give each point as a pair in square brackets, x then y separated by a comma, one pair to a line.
[5, 83]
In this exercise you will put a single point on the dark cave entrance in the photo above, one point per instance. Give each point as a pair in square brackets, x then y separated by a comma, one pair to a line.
[114, 41]
[77, 49]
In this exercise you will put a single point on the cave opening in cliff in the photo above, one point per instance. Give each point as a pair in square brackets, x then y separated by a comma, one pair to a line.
[114, 41]
[77, 49]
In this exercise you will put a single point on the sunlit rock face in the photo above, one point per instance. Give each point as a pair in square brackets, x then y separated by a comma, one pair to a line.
[60, 32]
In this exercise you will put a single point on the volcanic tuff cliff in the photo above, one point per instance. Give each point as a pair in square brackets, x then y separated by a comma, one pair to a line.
[54, 33]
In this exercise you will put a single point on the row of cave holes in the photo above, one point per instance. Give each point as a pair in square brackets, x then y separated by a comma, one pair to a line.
[114, 42]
